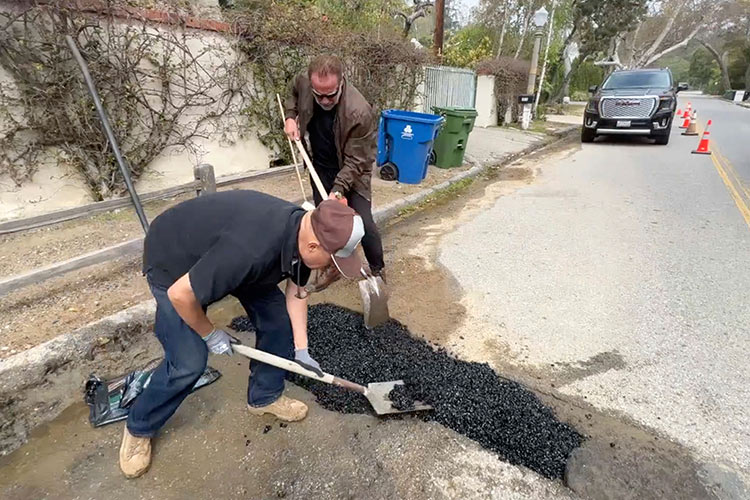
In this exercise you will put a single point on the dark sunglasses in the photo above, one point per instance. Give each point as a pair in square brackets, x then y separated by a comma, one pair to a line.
[328, 96]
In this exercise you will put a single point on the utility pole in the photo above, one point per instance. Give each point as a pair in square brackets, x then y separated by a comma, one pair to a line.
[439, 22]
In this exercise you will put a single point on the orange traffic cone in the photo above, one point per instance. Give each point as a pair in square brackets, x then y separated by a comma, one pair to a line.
[686, 122]
[687, 111]
[692, 128]
[703, 145]
[679, 112]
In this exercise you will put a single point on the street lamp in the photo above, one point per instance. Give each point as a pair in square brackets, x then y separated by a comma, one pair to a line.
[540, 19]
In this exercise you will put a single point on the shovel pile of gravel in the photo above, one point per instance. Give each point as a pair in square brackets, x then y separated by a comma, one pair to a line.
[469, 398]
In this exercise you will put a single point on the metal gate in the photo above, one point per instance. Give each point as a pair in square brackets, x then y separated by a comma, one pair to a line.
[446, 86]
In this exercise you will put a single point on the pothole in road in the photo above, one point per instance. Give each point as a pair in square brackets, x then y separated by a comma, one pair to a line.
[598, 456]
[469, 398]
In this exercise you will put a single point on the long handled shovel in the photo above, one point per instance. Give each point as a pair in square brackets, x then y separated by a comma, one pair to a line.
[305, 204]
[375, 392]
[372, 288]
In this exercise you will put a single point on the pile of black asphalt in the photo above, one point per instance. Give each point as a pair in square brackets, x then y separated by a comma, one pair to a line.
[470, 398]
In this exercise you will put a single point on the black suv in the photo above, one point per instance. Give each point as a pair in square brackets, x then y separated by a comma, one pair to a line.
[632, 102]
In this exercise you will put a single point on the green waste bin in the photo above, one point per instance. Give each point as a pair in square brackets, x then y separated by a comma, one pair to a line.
[450, 144]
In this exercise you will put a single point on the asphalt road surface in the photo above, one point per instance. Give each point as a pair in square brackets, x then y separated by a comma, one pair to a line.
[625, 269]
[730, 130]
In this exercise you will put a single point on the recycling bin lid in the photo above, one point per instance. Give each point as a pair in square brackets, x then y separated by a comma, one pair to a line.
[455, 111]
[412, 116]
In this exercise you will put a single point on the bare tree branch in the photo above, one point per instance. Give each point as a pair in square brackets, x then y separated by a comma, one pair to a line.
[503, 29]
[157, 88]
[681, 44]
[421, 9]
[648, 53]
[524, 30]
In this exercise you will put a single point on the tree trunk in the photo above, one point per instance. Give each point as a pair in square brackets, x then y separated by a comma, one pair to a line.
[747, 77]
[524, 30]
[565, 88]
[629, 55]
[726, 84]
[411, 18]
[567, 68]
[683, 43]
[502, 30]
[725, 71]
[614, 55]
[662, 35]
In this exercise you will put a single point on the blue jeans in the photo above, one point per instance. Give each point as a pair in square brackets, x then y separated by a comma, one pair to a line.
[185, 356]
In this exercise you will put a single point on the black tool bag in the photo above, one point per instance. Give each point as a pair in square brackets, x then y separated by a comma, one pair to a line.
[110, 401]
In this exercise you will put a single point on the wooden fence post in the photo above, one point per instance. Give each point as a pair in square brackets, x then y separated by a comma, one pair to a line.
[204, 174]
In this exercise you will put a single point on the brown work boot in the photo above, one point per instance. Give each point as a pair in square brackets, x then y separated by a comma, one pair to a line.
[284, 408]
[135, 455]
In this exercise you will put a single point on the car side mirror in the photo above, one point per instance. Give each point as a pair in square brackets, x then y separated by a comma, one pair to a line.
[593, 89]
[682, 86]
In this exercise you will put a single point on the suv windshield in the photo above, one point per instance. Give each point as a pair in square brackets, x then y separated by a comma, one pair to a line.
[638, 79]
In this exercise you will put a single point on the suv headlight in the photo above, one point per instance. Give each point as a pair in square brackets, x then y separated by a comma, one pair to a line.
[665, 103]
[593, 105]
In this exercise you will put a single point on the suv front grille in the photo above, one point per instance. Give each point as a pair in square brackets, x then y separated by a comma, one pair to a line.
[627, 107]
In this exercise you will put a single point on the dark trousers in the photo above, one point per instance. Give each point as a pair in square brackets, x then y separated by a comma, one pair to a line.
[185, 356]
[371, 242]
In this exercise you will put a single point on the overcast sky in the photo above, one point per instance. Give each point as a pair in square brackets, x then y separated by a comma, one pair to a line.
[466, 6]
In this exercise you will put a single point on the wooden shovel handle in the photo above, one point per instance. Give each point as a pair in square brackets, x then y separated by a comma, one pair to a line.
[349, 385]
[291, 366]
[283, 363]
[313, 173]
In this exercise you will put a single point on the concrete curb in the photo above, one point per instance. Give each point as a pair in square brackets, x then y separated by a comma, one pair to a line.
[38, 384]
[392, 209]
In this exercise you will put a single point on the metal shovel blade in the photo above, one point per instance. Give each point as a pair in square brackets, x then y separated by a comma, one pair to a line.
[377, 393]
[374, 301]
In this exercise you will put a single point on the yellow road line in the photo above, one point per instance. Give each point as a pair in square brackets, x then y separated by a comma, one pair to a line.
[733, 173]
[733, 183]
[736, 196]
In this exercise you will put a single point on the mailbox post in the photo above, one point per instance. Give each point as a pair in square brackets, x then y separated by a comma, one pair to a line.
[525, 100]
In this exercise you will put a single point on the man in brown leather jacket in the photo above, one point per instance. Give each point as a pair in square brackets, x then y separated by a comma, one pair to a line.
[341, 130]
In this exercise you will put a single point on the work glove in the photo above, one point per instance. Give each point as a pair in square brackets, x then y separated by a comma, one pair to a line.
[302, 357]
[220, 342]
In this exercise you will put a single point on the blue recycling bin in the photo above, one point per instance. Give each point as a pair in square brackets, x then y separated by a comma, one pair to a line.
[405, 140]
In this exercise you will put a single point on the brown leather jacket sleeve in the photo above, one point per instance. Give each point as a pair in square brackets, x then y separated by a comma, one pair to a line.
[290, 103]
[359, 153]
